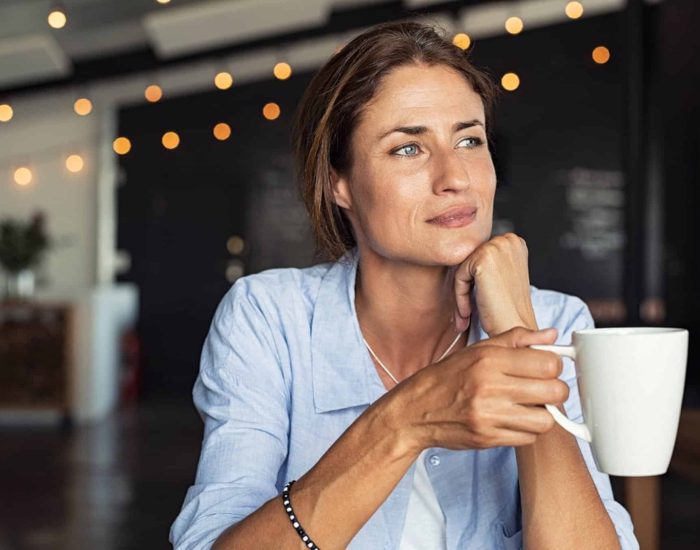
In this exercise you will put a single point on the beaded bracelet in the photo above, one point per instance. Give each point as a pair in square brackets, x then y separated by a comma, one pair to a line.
[295, 522]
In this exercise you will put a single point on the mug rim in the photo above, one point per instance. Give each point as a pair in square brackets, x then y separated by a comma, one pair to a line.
[631, 331]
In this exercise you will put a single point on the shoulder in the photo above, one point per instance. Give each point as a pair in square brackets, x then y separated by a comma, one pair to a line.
[276, 293]
[557, 309]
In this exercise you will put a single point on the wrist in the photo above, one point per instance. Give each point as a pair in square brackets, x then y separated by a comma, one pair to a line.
[390, 427]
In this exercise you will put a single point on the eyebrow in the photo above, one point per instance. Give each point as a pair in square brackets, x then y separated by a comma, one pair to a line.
[417, 130]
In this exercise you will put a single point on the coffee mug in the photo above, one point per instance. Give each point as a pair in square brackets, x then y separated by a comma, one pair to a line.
[631, 385]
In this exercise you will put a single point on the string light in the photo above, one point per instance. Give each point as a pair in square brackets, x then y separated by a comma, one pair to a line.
[121, 145]
[82, 106]
[223, 80]
[74, 163]
[57, 17]
[574, 10]
[271, 111]
[222, 131]
[6, 112]
[23, 176]
[510, 81]
[601, 55]
[514, 25]
[170, 140]
[282, 71]
[153, 93]
[462, 40]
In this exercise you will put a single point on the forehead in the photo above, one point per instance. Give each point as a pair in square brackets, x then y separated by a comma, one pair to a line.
[421, 94]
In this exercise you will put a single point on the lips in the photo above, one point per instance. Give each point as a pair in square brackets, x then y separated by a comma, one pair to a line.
[456, 214]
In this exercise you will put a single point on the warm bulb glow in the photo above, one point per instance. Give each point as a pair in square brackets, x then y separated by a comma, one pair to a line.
[57, 19]
[282, 71]
[601, 55]
[153, 93]
[6, 113]
[462, 40]
[514, 25]
[510, 81]
[222, 131]
[223, 80]
[74, 163]
[170, 140]
[163, 1]
[574, 10]
[82, 106]
[121, 145]
[23, 176]
[271, 111]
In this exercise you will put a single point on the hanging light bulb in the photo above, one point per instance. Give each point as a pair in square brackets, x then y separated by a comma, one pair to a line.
[82, 106]
[510, 81]
[6, 112]
[57, 16]
[574, 10]
[121, 145]
[514, 25]
[23, 176]
[170, 140]
[462, 40]
[74, 163]
[601, 55]
[222, 131]
[223, 80]
[271, 111]
[282, 71]
[153, 93]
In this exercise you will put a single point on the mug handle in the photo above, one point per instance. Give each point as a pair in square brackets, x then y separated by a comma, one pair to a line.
[574, 428]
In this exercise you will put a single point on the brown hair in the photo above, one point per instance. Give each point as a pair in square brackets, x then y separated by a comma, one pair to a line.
[333, 101]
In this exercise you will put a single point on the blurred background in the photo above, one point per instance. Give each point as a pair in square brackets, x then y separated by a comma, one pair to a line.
[145, 165]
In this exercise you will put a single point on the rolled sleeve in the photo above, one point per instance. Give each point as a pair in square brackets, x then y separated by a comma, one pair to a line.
[241, 394]
[580, 318]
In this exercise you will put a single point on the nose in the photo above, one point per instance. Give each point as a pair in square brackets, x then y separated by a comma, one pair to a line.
[450, 172]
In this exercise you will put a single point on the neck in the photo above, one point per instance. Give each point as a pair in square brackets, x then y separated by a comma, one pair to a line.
[405, 311]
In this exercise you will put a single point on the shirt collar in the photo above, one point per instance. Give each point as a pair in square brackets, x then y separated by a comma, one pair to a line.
[343, 373]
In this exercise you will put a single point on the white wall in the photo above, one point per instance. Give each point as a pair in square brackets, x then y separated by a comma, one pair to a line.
[40, 135]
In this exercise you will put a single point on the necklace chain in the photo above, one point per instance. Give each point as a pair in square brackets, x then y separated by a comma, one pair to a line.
[386, 370]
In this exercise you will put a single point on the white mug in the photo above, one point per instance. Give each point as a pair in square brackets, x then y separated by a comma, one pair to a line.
[631, 385]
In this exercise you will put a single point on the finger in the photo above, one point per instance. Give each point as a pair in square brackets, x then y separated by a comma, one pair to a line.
[520, 337]
[528, 391]
[502, 437]
[464, 281]
[531, 419]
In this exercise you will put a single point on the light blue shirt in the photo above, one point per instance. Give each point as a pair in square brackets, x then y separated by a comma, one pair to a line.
[284, 372]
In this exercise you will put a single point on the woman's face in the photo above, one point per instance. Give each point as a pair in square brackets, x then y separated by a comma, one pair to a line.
[419, 152]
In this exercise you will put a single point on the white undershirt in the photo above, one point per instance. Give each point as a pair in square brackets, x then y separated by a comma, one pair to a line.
[425, 522]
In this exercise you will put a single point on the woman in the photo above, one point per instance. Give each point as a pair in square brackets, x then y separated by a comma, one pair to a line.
[406, 421]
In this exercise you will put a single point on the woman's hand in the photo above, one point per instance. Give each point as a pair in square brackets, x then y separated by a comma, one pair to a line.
[497, 273]
[487, 395]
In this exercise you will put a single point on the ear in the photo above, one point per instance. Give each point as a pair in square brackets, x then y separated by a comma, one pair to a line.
[341, 190]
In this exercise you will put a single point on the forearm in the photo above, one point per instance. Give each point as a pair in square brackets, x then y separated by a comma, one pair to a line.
[338, 495]
[560, 503]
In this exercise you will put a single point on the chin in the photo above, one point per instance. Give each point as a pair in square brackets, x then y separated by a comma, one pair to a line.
[451, 254]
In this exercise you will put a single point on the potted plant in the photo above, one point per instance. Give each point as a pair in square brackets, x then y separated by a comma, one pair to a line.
[22, 246]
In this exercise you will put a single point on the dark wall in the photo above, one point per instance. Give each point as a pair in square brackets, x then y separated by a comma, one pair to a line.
[678, 79]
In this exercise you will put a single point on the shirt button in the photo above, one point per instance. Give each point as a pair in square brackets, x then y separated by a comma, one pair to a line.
[435, 460]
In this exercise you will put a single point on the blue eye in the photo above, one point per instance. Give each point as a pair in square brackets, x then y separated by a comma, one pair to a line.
[473, 142]
[410, 150]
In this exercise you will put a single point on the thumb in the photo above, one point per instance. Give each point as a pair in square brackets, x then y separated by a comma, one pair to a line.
[520, 337]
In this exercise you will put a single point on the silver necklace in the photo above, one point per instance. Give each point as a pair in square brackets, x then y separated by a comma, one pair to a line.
[387, 370]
